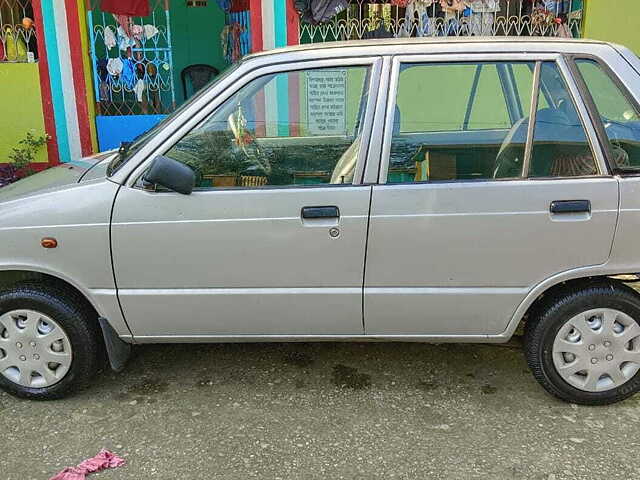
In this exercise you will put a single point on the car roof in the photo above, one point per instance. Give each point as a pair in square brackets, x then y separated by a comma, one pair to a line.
[561, 44]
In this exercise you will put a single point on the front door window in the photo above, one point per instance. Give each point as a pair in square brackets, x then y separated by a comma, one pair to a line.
[295, 128]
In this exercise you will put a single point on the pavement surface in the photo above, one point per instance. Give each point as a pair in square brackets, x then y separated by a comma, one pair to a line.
[325, 411]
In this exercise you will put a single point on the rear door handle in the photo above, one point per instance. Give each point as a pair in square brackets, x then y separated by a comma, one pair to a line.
[570, 206]
[320, 212]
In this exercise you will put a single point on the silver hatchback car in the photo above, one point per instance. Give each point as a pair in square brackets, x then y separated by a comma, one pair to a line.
[415, 190]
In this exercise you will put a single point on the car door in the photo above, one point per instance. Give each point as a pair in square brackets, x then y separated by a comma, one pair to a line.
[272, 240]
[479, 199]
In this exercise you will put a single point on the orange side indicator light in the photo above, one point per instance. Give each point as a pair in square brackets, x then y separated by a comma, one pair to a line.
[49, 242]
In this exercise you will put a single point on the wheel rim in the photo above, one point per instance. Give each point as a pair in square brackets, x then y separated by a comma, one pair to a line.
[598, 350]
[35, 351]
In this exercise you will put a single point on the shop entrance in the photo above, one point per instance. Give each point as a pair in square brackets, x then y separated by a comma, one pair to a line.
[138, 60]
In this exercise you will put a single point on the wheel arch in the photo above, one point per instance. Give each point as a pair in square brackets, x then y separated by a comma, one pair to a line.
[13, 275]
[555, 286]
[117, 350]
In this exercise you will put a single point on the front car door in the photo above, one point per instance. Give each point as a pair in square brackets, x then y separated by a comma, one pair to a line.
[272, 241]
[479, 200]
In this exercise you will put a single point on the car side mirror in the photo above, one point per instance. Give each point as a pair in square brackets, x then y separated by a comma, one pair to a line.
[171, 174]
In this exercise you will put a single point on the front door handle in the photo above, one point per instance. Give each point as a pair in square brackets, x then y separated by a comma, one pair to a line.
[570, 206]
[320, 212]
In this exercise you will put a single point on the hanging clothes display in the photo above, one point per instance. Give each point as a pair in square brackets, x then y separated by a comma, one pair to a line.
[131, 8]
[235, 36]
[319, 11]
[482, 19]
[109, 38]
[452, 10]
[417, 13]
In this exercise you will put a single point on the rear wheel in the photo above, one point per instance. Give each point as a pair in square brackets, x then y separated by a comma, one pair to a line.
[49, 342]
[584, 346]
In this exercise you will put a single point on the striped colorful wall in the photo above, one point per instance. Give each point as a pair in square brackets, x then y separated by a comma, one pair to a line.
[65, 78]
[65, 72]
[274, 24]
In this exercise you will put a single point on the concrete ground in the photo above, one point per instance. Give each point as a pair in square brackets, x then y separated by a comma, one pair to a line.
[326, 411]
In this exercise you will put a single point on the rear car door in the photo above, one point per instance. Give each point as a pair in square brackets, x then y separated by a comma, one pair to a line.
[491, 181]
[272, 241]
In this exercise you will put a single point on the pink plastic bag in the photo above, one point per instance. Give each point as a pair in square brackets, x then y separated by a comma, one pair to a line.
[103, 460]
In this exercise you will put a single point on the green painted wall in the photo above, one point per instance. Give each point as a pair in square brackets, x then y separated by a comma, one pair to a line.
[195, 33]
[21, 106]
[613, 21]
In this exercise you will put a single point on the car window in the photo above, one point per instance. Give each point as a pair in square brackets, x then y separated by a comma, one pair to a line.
[292, 128]
[560, 144]
[619, 115]
[127, 152]
[453, 121]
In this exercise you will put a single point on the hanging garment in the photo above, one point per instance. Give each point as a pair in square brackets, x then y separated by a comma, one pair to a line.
[150, 31]
[124, 41]
[484, 6]
[114, 66]
[325, 10]
[425, 25]
[131, 8]
[101, 68]
[104, 90]
[239, 6]
[139, 89]
[128, 75]
[15, 47]
[452, 10]
[481, 24]
[303, 7]
[319, 11]
[137, 32]
[126, 23]
[225, 33]
[109, 38]
[224, 4]
[235, 29]
[401, 3]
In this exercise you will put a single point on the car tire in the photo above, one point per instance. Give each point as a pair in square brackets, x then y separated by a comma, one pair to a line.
[40, 323]
[586, 327]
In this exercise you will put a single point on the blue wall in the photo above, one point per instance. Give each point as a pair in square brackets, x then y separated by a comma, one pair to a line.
[113, 130]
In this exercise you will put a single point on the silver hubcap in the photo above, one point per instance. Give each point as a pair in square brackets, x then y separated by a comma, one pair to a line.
[34, 350]
[598, 350]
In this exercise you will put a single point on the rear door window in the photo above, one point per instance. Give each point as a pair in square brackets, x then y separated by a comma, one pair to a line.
[451, 119]
[619, 115]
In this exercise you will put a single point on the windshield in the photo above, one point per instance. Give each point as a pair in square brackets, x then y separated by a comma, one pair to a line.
[128, 150]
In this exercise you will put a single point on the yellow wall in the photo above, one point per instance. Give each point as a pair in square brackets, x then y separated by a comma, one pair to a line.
[613, 21]
[20, 107]
[88, 73]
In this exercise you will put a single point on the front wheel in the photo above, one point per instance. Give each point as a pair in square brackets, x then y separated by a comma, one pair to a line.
[49, 342]
[584, 346]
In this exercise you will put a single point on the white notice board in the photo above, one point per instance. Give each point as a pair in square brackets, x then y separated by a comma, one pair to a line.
[327, 102]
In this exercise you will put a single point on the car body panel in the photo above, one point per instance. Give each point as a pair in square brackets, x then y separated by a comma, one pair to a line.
[78, 217]
[240, 261]
[469, 252]
[318, 295]
[60, 176]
